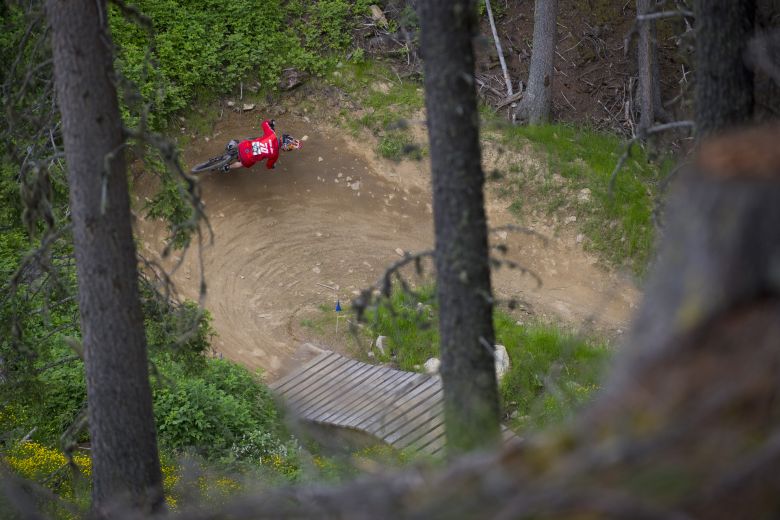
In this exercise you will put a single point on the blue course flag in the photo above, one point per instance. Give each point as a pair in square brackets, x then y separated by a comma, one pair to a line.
[338, 306]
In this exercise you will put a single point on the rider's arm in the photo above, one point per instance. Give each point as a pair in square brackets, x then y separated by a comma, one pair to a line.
[271, 160]
[267, 130]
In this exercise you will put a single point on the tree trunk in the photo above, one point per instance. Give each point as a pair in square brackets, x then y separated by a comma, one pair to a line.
[125, 463]
[646, 61]
[463, 273]
[724, 83]
[536, 104]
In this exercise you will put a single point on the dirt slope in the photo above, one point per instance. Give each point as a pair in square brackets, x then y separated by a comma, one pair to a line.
[333, 215]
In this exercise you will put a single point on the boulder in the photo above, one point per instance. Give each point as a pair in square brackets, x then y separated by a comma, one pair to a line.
[432, 366]
[292, 78]
[502, 361]
[380, 344]
[378, 16]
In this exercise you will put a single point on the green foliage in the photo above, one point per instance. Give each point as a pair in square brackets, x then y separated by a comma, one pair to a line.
[206, 48]
[171, 204]
[194, 412]
[499, 9]
[326, 25]
[224, 413]
[398, 144]
[199, 47]
[176, 333]
[410, 323]
[618, 224]
[552, 371]
[387, 105]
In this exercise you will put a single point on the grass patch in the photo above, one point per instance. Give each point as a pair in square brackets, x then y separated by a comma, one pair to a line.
[553, 371]
[387, 103]
[618, 225]
[397, 145]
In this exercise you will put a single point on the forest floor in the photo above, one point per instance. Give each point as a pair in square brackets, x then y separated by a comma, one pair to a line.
[331, 217]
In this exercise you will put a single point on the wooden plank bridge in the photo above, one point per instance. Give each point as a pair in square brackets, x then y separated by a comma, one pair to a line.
[402, 409]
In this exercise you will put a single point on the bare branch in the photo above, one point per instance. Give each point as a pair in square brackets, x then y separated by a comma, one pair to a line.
[664, 14]
[500, 51]
[641, 136]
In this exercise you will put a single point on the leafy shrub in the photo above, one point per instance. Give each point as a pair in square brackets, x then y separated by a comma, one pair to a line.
[216, 411]
[208, 47]
[196, 413]
[48, 466]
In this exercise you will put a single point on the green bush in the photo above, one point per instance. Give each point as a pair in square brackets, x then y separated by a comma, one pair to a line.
[206, 48]
[222, 412]
[195, 413]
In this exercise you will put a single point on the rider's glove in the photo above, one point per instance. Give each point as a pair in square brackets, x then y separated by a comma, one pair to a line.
[272, 124]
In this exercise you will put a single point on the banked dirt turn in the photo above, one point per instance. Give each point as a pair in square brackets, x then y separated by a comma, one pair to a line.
[325, 223]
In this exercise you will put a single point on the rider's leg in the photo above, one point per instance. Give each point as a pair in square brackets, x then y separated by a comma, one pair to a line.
[232, 166]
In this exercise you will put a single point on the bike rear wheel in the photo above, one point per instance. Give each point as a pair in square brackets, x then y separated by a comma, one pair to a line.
[215, 163]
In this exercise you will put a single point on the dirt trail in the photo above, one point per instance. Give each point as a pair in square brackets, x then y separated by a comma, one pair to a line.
[332, 214]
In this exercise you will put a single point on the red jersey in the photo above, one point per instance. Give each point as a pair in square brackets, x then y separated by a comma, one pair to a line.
[251, 151]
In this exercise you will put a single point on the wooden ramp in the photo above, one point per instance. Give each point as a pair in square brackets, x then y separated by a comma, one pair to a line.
[403, 409]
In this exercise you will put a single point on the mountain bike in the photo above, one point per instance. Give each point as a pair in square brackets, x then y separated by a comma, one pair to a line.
[287, 143]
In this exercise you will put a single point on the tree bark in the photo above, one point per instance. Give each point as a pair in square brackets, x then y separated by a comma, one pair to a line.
[125, 463]
[724, 83]
[536, 104]
[463, 274]
[646, 61]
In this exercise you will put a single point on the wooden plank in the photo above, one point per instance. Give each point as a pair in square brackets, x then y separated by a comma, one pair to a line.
[278, 385]
[329, 397]
[378, 375]
[314, 385]
[437, 447]
[400, 406]
[388, 399]
[320, 391]
[380, 399]
[372, 387]
[375, 398]
[429, 437]
[307, 372]
[348, 393]
[507, 434]
[420, 423]
[326, 371]
[421, 431]
[417, 413]
[411, 413]
[403, 398]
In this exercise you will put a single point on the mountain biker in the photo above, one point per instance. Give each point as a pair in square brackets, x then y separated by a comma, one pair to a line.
[251, 151]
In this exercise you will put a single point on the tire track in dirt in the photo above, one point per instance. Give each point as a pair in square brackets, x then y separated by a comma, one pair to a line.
[279, 233]
[323, 216]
